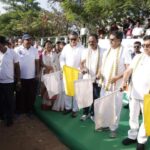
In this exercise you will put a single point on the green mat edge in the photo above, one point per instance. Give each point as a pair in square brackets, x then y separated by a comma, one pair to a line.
[64, 138]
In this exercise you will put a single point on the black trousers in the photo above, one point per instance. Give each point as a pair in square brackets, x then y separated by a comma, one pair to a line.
[84, 42]
[96, 94]
[7, 101]
[25, 98]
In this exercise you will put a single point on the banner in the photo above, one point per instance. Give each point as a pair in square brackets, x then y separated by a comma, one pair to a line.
[53, 83]
[147, 114]
[84, 98]
[127, 43]
[104, 109]
[70, 74]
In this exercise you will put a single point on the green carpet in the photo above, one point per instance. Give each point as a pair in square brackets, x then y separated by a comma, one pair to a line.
[79, 135]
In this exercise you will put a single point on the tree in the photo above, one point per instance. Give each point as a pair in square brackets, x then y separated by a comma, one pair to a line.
[98, 12]
[21, 5]
[24, 11]
[26, 16]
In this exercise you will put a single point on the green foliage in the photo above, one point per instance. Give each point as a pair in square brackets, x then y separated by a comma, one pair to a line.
[21, 5]
[19, 17]
[26, 16]
[98, 12]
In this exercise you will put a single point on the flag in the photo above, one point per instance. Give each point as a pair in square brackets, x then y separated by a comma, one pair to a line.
[84, 98]
[104, 109]
[52, 83]
[70, 74]
[147, 114]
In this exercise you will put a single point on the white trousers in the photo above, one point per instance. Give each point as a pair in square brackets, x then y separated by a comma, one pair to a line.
[118, 107]
[71, 103]
[135, 132]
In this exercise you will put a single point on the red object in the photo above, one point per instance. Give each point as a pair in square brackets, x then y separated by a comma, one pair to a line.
[54, 97]
[45, 107]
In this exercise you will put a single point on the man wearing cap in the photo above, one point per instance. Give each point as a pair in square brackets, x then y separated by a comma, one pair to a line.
[29, 65]
[9, 68]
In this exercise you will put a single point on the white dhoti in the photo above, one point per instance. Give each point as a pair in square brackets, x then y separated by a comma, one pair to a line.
[114, 65]
[71, 103]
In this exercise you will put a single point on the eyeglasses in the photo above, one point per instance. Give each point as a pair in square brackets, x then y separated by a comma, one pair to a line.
[146, 45]
[137, 46]
[73, 39]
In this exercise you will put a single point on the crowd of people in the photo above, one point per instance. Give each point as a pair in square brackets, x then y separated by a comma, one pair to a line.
[23, 66]
[20, 73]
[130, 28]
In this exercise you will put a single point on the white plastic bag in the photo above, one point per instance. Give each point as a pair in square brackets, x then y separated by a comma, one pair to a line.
[53, 83]
[84, 93]
[104, 109]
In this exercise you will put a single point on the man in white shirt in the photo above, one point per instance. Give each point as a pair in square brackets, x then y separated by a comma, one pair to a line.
[9, 70]
[138, 30]
[83, 33]
[90, 67]
[71, 56]
[136, 51]
[139, 68]
[114, 63]
[29, 65]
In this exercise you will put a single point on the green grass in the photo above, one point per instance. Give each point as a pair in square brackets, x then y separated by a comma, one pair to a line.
[79, 135]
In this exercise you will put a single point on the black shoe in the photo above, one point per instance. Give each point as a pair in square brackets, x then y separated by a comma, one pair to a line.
[74, 114]
[126, 106]
[67, 111]
[128, 141]
[140, 146]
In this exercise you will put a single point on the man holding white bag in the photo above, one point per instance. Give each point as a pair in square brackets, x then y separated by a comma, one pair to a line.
[90, 67]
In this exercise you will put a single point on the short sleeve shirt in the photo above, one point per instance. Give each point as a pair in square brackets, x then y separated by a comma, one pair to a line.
[140, 76]
[71, 56]
[7, 61]
[27, 59]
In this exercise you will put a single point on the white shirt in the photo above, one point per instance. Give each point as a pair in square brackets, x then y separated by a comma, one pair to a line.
[108, 61]
[137, 31]
[91, 57]
[84, 31]
[140, 76]
[147, 32]
[27, 59]
[7, 61]
[51, 59]
[71, 56]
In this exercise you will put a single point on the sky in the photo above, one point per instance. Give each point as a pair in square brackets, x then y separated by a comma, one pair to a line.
[43, 4]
